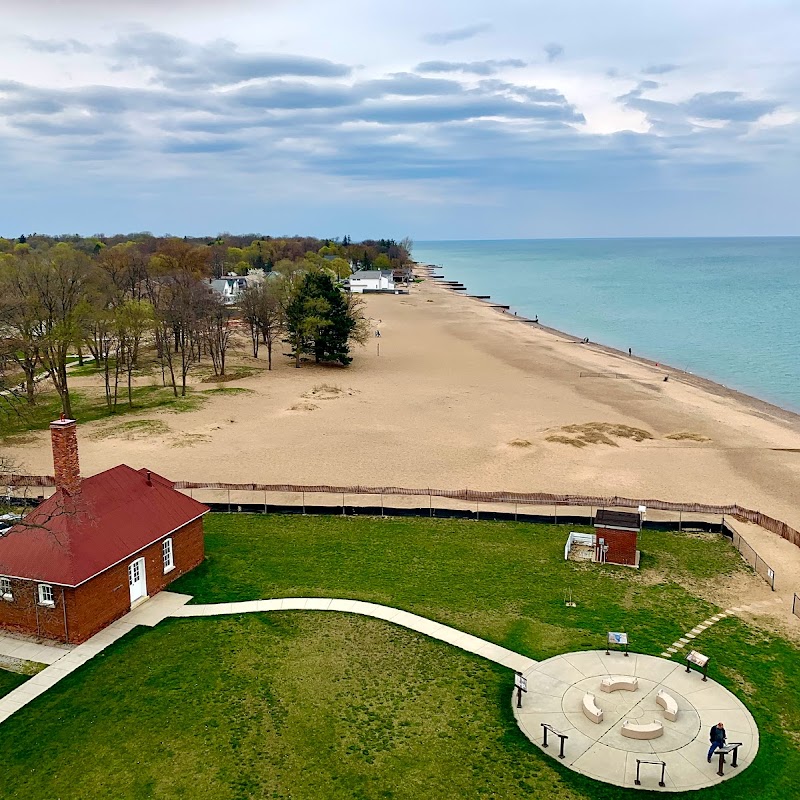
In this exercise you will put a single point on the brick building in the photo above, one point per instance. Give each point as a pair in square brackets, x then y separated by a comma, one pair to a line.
[98, 547]
[617, 537]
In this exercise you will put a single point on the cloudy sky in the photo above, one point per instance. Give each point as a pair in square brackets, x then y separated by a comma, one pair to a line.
[439, 119]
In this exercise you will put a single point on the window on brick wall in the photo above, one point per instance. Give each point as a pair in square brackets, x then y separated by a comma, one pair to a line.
[5, 589]
[166, 553]
[46, 595]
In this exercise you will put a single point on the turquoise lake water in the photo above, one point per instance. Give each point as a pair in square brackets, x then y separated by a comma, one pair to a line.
[726, 309]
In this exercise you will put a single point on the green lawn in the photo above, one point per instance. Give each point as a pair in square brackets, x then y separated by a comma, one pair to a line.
[325, 705]
[9, 681]
[88, 405]
[501, 581]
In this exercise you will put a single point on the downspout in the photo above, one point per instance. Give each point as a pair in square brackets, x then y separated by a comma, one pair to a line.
[36, 608]
[64, 605]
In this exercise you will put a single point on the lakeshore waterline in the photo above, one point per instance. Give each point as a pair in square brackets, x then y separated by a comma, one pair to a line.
[721, 308]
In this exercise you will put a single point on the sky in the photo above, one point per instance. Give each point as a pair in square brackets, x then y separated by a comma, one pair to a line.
[444, 119]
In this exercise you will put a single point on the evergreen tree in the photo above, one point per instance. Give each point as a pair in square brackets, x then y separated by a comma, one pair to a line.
[318, 320]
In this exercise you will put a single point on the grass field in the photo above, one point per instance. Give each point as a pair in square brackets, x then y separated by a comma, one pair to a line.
[323, 705]
[89, 405]
[9, 681]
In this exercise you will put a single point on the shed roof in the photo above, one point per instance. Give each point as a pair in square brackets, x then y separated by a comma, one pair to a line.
[69, 539]
[617, 519]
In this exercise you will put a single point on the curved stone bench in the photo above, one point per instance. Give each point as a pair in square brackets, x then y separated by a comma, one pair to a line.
[669, 704]
[616, 682]
[591, 710]
[649, 730]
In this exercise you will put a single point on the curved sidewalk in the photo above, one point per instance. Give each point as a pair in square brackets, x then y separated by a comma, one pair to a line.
[172, 604]
[444, 633]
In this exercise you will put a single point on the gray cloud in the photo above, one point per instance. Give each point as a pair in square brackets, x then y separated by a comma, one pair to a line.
[659, 69]
[553, 51]
[457, 34]
[408, 84]
[69, 46]
[732, 106]
[489, 67]
[205, 145]
[180, 64]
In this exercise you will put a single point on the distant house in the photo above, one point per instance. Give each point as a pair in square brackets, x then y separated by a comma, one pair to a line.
[372, 281]
[229, 288]
[96, 548]
[404, 274]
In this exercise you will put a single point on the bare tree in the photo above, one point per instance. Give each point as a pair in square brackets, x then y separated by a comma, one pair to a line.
[215, 323]
[57, 283]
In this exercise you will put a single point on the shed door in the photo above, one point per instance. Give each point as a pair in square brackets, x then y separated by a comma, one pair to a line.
[137, 580]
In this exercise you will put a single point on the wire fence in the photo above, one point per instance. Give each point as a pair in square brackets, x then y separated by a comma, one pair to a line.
[473, 496]
[465, 503]
[752, 557]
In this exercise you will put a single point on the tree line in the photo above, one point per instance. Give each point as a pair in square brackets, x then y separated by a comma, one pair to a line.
[115, 297]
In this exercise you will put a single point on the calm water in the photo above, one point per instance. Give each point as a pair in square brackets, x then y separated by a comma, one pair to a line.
[726, 309]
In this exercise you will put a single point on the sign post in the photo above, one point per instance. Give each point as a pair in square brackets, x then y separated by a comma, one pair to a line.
[562, 736]
[617, 639]
[521, 685]
[699, 660]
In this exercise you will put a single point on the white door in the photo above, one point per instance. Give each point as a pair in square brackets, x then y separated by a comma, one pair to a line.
[137, 580]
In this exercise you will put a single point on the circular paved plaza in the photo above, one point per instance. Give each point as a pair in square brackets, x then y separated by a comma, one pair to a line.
[556, 691]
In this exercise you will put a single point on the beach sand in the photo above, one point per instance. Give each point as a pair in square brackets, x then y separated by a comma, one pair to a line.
[462, 395]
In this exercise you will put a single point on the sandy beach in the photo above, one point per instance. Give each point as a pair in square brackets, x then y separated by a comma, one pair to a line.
[456, 394]
[464, 396]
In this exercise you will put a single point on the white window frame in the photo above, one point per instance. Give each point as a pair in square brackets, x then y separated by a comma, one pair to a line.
[46, 597]
[168, 555]
[6, 591]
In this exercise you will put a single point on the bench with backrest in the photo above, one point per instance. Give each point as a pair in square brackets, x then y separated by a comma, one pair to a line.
[669, 704]
[614, 683]
[647, 730]
[590, 708]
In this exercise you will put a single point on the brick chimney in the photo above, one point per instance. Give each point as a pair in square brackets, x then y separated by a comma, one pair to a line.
[64, 435]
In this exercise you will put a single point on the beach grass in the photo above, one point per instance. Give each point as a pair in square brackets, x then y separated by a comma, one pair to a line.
[329, 705]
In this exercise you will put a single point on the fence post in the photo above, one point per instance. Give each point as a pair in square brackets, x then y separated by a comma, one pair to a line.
[342, 503]
[477, 509]
[430, 502]
[555, 514]
[265, 502]
[515, 512]
[680, 521]
[381, 504]
[304, 502]
[229, 501]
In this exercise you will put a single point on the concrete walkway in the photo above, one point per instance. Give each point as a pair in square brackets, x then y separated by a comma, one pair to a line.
[40, 651]
[444, 633]
[149, 613]
[64, 659]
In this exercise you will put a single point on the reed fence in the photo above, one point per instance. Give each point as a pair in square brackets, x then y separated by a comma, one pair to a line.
[474, 496]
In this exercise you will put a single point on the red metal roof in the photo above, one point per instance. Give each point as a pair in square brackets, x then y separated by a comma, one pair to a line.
[67, 540]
